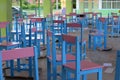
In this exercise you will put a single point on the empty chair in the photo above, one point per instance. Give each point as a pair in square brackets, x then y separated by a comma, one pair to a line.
[57, 28]
[78, 67]
[98, 35]
[76, 29]
[54, 57]
[115, 28]
[7, 44]
[16, 29]
[21, 53]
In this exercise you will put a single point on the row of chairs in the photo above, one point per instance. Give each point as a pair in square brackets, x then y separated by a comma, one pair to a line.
[22, 42]
[71, 61]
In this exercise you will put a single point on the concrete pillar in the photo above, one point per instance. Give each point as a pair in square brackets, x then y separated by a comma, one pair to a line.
[5, 12]
[81, 6]
[96, 5]
[89, 5]
[46, 7]
[69, 6]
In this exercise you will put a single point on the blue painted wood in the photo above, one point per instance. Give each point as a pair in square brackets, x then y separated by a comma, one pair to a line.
[99, 35]
[117, 69]
[74, 28]
[53, 57]
[77, 69]
[34, 62]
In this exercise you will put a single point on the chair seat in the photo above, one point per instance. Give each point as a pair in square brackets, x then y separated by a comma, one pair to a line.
[96, 34]
[9, 43]
[59, 57]
[85, 65]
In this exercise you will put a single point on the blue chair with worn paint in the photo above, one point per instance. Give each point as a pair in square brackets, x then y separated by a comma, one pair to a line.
[40, 25]
[89, 16]
[21, 53]
[54, 57]
[98, 35]
[76, 29]
[80, 68]
[58, 28]
[117, 69]
[16, 29]
[7, 44]
[95, 17]
[115, 28]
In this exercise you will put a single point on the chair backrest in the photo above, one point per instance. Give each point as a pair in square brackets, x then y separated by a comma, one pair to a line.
[18, 23]
[73, 27]
[51, 48]
[101, 24]
[72, 40]
[58, 26]
[117, 70]
[22, 36]
[18, 54]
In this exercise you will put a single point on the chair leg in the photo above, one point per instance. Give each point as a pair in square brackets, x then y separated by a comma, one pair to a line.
[94, 43]
[77, 76]
[99, 74]
[84, 77]
[54, 70]
[48, 70]
[89, 42]
[12, 67]
[64, 74]
[18, 65]
[30, 66]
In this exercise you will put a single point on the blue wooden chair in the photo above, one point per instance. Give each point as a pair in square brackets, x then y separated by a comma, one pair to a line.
[115, 28]
[21, 53]
[40, 25]
[78, 67]
[117, 70]
[95, 17]
[81, 18]
[76, 28]
[16, 29]
[98, 35]
[58, 28]
[54, 58]
[89, 17]
[7, 44]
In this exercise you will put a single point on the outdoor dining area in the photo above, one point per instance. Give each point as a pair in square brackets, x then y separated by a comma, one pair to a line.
[60, 46]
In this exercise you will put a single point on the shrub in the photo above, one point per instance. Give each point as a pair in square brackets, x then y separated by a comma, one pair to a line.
[25, 6]
[32, 6]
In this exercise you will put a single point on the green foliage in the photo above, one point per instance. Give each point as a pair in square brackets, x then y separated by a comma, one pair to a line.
[25, 6]
[32, 6]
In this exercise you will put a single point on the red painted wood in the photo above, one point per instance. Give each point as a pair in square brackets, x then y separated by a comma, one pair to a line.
[3, 24]
[59, 57]
[17, 53]
[75, 25]
[102, 19]
[34, 29]
[58, 21]
[49, 33]
[69, 38]
[85, 65]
